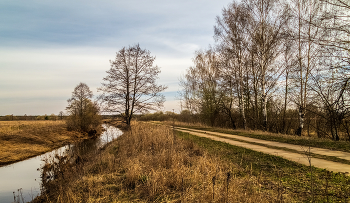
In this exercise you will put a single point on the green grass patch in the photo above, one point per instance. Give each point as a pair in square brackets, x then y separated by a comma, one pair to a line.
[276, 173]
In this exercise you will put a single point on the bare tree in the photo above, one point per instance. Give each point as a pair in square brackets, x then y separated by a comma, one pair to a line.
[228, 87]
[305, 13]
[332, 92]
[202, 92]
[336, 22]
[258, 41]
[267, 32]
[83, 114]
[130, 86]
[60, 114]
[231, 32]
[288, 63]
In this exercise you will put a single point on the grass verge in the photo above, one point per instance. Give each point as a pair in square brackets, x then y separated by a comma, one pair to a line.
[304, 152]
[289, 178]
[290, 139]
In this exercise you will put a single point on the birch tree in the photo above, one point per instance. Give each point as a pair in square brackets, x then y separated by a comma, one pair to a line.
[267, 32]
[305, 14]
[202, 93]
[231, 32]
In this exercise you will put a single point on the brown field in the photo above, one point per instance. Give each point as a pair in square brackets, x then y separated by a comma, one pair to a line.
[24, 139]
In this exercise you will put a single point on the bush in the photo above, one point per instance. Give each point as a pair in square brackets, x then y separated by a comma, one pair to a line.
[88, 120]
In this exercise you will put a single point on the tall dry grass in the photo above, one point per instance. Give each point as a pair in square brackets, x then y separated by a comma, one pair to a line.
[23, 139]
[149, 164]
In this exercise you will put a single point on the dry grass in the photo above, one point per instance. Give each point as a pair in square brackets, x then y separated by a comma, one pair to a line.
[149, 164]
[23, 139]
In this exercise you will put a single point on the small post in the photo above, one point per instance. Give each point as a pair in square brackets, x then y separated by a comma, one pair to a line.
[312, 183]
[182, 196]
[173, 119]
[173, 125]
[280, 187]
[214, 178]
[228, 177]
[326, 189]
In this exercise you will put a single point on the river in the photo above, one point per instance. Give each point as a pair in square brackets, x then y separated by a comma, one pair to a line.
[22, 179]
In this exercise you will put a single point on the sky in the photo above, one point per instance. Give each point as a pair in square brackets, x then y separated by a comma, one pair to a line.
[48, 47]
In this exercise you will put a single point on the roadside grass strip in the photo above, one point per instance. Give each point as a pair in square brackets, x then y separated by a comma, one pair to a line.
[322, 143]
[337, 156]
[304, 150]
[289, 178]
[292, 156]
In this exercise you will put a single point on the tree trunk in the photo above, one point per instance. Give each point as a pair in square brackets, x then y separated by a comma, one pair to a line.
[127, 97]
[263, 68]
[233, 123]
[336, 133]
[301, 121]
[264, 104]
[346, 126]
[255, 87]
[285, 101]
[242, 105]
[301, 102]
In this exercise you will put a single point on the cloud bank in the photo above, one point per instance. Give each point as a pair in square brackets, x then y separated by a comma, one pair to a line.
[48, 47]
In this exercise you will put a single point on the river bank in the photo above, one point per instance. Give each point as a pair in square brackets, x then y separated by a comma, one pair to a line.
[153, 163]
[150, 163]
[21, 140]
[22, 181]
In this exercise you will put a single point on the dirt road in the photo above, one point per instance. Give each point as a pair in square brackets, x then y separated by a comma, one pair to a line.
[299, 157]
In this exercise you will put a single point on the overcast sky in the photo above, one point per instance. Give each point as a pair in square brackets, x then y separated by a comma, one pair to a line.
[47, 47]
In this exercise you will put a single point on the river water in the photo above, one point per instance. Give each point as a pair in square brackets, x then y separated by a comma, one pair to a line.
[22, 179]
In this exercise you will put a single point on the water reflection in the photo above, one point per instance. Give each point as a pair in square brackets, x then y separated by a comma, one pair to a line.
[25, 175]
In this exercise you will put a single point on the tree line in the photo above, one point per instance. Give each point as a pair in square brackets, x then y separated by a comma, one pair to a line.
[276, 65]
[24, 117]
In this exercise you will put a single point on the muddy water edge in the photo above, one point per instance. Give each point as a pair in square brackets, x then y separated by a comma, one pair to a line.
[21, 182]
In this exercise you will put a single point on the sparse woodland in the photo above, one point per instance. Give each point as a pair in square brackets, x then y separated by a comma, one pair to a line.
[279, 66]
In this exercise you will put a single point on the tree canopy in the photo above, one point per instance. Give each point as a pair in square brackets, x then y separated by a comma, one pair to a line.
[130, 85]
